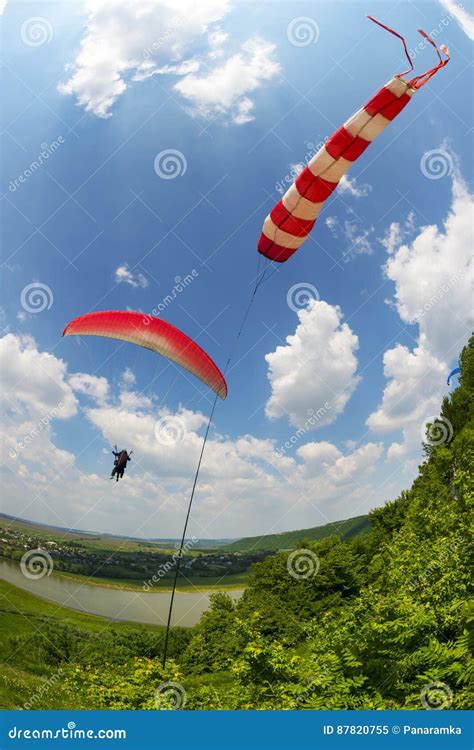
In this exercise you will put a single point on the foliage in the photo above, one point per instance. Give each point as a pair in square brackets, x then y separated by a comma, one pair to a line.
[289, 539]
[382, 619]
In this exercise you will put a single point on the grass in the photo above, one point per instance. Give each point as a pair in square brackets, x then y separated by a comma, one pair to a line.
[22, 612]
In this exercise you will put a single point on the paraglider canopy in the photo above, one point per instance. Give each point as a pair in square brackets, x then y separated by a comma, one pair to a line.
[452, 373]
[155, 334]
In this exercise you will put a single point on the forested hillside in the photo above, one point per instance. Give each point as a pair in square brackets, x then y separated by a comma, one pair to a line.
[289, 539]
[380, 620]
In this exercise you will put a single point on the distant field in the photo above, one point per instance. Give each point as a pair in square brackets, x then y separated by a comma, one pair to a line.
[104, 542]
[289, 539]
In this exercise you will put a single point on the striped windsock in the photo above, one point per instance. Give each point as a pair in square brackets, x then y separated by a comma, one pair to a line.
[292, 219]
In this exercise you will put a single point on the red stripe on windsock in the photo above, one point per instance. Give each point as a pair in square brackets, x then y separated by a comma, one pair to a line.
[342, 143]
[272, 251]
[288, 223]
[314, 188]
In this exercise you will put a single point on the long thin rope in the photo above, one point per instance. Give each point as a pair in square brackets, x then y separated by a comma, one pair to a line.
[258, 281]
[178, 562]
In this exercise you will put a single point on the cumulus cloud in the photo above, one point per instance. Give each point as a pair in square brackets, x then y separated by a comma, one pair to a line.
[415, 379]
[125, 43]
[34, 394]
[90, 385]
[33, 382]
[225, 89]
[317, 365]
[325, 460]
[43, 481]
[124, 276]
[433, 277]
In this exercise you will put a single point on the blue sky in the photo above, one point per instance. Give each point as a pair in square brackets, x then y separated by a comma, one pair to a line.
[103, 89]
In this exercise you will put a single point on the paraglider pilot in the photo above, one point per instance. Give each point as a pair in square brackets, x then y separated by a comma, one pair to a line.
[120, 463]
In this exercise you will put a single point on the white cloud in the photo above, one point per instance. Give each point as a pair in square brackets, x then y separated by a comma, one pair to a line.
[126, 42]
[415, 380]
[433, 277]
[33, 382]
[90, 385]
[133, 40]
[397, 233]
[357, 241]
[349, 185]
[225, 89]
[316, 365]
[461, 15]
[135, 401]
[125, 276]
[34, 394]
[42, 481]
[332, 223]
[128, 377]
[326, 461]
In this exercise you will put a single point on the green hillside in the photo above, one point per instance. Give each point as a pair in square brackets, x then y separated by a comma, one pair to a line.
[289, 539]
[380, 620]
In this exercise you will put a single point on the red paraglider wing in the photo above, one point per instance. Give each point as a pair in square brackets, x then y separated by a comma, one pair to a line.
[155, 334]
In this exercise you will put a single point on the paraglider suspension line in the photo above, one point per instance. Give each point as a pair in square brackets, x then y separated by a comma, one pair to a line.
[180, 553]
[258, 281]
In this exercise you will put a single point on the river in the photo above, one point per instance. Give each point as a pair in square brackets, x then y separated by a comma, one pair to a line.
[115, 604]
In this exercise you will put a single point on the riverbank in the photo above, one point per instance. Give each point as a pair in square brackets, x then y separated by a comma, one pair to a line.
[116, 603]
[213, 584]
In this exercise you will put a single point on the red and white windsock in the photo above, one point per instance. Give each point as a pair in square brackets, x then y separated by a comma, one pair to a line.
[292, 219]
